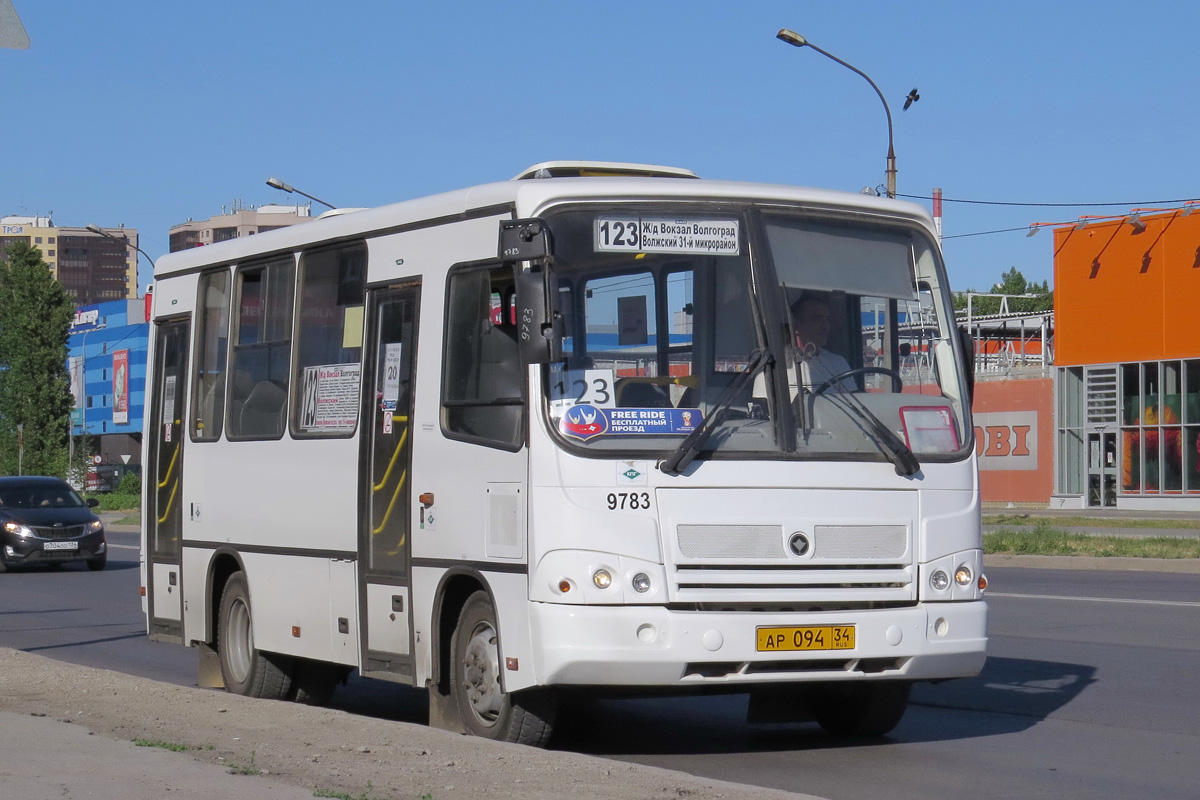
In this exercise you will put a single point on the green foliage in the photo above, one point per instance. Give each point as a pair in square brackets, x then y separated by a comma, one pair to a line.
[1011, 282]
[116, 501]
[172, 746]
[34, 387]
[347, 796]
[245, 769]
[1044, 540]
[131, 483]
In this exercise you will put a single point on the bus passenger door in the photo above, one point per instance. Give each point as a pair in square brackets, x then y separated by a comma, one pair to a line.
[164, 515]
[385, 537]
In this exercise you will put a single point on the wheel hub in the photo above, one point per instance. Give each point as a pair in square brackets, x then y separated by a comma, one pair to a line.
[481, 674]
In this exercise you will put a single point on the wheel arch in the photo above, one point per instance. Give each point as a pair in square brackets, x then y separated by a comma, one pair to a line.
[455, 586]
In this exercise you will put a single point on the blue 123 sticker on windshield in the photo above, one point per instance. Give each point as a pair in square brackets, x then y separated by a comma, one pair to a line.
[584, 422]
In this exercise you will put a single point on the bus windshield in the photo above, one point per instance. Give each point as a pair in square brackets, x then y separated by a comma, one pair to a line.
[843, 325]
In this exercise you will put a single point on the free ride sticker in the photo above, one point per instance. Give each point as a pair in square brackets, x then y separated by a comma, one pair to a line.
[585, 421]
[667, 235]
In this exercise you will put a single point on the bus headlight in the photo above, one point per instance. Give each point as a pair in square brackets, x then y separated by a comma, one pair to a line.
[641, 583]
[602, 578]
[962, 575]
[939, 580]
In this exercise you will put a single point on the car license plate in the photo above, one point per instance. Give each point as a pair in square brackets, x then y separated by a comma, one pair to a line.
[808, 637]
[60, 546]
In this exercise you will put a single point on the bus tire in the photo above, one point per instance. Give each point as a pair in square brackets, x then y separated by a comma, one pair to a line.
[486, 710]
[869, 708]
[245, 669]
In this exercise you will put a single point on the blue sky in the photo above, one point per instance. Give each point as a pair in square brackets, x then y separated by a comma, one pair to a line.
[150, 113]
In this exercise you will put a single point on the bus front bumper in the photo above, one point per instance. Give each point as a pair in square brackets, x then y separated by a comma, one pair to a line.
[654, 646]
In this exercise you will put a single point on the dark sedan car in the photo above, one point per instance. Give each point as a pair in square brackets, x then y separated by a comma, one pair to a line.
[43, 521]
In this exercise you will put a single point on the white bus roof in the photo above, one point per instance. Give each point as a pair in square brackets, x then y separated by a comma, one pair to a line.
[529, 197]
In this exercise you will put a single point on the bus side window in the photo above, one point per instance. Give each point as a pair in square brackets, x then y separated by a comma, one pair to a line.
[261, 354]
[212, 337]
[328, 342]
[483, 380]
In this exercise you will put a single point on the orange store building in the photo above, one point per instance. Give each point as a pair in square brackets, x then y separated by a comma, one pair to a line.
[1127, 358]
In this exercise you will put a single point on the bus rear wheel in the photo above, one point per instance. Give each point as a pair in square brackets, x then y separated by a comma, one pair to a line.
[869, 708]
[245, 669]
[485, 709]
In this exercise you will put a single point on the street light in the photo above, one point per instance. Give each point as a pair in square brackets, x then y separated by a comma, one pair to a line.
[796, 40]
[275, 183]
[98, 230]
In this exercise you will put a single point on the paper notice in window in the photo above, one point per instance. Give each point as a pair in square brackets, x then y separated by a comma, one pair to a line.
[330, 403]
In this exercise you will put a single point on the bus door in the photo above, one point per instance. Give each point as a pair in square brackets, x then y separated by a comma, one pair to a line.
[386, 482]
[164, 513]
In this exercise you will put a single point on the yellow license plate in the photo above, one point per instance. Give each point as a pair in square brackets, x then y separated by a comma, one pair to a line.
[808, 637]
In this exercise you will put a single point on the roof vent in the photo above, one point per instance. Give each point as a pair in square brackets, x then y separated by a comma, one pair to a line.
[337, 212]
[601, 169]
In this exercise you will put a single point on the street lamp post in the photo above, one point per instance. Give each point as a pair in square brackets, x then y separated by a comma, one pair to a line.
[275, 183]
[101, 232]
[795, 39]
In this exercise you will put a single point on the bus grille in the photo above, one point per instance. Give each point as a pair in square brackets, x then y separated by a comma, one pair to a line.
[812, 585]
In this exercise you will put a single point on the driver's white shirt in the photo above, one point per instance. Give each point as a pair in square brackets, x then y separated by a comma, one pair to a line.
[824, 365]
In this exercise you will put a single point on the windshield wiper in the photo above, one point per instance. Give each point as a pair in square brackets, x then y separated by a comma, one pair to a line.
[889, 443]
[690, 447]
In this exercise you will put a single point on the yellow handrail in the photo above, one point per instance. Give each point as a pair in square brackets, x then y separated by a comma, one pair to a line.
[170, 467]
[170, 501]
[392, 504]
[399, 446]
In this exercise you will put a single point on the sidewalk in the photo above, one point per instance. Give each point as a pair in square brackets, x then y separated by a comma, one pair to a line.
[50, 709]
[46, 759]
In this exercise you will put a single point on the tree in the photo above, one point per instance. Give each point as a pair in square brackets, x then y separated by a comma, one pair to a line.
[35, 316]
[1011, 282]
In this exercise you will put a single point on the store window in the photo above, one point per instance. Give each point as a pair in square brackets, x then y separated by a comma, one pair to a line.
[1155, 397]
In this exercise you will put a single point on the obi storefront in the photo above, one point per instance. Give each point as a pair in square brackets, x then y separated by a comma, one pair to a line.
[1127, 382]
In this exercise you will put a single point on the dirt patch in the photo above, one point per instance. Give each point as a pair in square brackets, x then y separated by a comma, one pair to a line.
[328, 750]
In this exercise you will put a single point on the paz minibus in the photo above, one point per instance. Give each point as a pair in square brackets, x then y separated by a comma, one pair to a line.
[567, 433]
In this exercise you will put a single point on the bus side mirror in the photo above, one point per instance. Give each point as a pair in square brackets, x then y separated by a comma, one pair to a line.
[527, 244]
[968, 348]
[524, 240]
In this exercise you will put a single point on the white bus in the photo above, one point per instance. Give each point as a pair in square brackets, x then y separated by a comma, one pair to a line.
[567, 432]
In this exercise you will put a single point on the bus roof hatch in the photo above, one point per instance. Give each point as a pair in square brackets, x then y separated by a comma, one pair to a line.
[601, 169]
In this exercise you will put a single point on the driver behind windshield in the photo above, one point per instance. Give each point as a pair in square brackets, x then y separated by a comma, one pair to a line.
[811, 321]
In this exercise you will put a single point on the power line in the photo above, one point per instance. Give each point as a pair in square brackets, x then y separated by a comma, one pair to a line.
[985, 233]
[1053, 205]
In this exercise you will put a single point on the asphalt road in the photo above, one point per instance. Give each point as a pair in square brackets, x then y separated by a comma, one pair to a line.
[1090, 691]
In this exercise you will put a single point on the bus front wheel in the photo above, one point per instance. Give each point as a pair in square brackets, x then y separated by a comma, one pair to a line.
[485, 709]
[245, 669]
[867, 708]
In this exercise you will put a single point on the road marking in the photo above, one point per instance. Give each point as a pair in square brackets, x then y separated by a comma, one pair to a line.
[1177, 603]
[124, 546]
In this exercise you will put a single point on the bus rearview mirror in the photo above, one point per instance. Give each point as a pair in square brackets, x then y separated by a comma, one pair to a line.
[524, 240]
